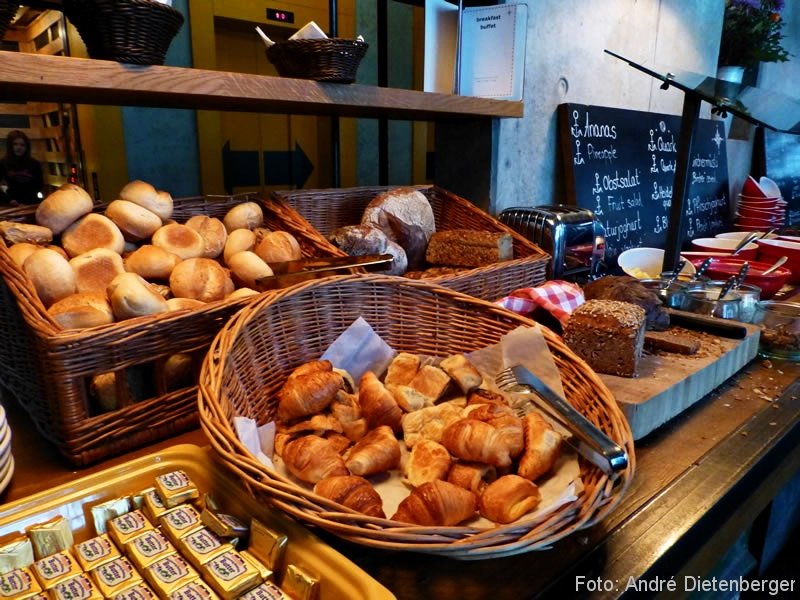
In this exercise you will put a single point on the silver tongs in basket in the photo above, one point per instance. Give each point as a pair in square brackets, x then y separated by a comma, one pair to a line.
[590, 442]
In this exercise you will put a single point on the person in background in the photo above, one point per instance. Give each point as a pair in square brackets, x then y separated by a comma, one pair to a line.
[21, 178]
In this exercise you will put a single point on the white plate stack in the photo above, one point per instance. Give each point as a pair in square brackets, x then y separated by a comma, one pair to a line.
[6, 460]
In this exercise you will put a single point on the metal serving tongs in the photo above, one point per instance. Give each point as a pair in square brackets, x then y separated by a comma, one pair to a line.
[589, 442]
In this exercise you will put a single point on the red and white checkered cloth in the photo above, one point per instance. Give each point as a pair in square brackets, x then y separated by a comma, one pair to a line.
[557, 297]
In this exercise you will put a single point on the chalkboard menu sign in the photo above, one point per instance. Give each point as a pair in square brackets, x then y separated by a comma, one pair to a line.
[621, 165]
[782, 165]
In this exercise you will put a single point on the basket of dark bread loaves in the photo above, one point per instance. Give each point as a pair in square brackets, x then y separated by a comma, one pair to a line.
[422, 455]
[434, 234]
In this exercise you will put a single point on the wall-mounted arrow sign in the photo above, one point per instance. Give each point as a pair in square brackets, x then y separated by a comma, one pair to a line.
[239, 168]
[287, 167]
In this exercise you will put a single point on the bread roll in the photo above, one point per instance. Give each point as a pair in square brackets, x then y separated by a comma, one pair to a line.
[242, 292]
[437, 504]
[462, 371]
[508, 498]
[238, 241]
[431, 381]
[152, 262]
[213, 232]
[358, 240]
[399, 259]
[78, 311]
[16, 233]
[278, 246]
[74, 187]
[174, 304]
[103, 388]
[402, 369]
[19, 252]
[134, 221]
[62, 208]
[164, 290]
[199, 278]
[146, 196]
[247, 215]
[90, 232]
[428, 461]
[178, 371]
[247, 268]
[131, 296]
[51, 274]
[95, 269]
[377, 403]
[180, 240]
[353, 492]
[58, 249]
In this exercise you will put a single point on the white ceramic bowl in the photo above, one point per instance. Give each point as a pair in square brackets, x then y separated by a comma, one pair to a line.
[647, 263]
[739, 235]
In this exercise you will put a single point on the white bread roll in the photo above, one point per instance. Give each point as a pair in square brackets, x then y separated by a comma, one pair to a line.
[178, 371]
[247, 215]
[242, 292]
[134, 221]
[199, 278]
[229, 286]
[78, 311]
[146, 196]
[151, 262]
[246, 267]
[238, 241]
[180, 240]
[19, 252]
[131, 296]
[58, 249]
[51, 275]
[62, 208]
[17, 233]
[164, 290]
[95, 269]
[74, 187]
[104, 389]
[213, 232]
[174, 304]
[278, 246]
[90, 232]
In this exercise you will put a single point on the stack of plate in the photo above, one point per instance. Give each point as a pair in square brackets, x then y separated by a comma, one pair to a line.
[6, 460]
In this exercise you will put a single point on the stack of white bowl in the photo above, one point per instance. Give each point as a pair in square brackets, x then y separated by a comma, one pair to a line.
[760, 206]
[6, 459]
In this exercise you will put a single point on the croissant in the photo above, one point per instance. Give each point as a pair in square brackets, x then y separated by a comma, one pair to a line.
[347, 411]
[542, 447]
[402, 369]
[471, 476]
[307, 393]
[476, 441]
[353, 492]
[312, 459]
[317, 424]
[311, 366]
[438, 504]
[377, 403]
[349, 384]
[339, 442]
[428, 423]
[462, 371]
[502, 418]
[428, 461]
[508, 498]
[376, 452]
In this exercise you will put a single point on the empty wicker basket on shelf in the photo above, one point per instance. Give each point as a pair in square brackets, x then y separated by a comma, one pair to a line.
[258, 348]
[334, 60]
[7, 12]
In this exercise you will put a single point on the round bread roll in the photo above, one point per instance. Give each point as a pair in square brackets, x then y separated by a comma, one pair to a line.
[213, 232]
[246, 267]
[242, 292]
[104, 389]
[62, 208]
[134, 221]
[95, 269]
[174, 304]
[51, 274]
[278, 246]
[178, 371]
[19, 252]
[74, 187]
[131, 296]
[238, 241]
[90, 232]
[247, 215]
[58, 249]
[230, 287]
[180, 240]
[146, 196]
[85, 309]
[199, 278]
[152, 262]
[400, 262]
[17, 233]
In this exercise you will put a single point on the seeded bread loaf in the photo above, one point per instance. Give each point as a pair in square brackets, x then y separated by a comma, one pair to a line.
[608, 335]
[468, 248]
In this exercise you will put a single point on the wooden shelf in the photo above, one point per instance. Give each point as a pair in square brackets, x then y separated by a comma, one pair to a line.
[25, 77]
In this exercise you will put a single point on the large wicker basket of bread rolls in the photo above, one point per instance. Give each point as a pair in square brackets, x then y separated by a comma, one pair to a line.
[102, 390]
[262, 351]
[330, 211]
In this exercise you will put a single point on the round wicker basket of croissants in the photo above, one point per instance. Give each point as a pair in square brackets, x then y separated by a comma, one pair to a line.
[470, 490]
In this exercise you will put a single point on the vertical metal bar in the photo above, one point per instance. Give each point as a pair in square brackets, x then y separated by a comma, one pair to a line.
[333, 31]
[680, 186]
[383, 81]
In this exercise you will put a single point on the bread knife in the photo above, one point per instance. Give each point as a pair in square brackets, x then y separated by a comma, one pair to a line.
[708, 324]
[294, 271]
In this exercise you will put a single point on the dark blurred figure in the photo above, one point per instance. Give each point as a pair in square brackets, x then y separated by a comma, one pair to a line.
[21, 179]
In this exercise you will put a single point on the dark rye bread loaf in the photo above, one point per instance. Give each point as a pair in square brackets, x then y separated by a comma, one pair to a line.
[608, 335]
[468, 248]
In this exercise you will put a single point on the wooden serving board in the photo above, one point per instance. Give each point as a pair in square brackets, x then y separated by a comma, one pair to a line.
[670, 383]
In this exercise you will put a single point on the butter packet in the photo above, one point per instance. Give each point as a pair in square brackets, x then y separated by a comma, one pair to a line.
[19, 583]
[15, 553]
[139, 591]
[299, 584]
[94, 552]
[54, 568]
[265, 572]
[175, 488]
[126, 527]
[230, 574]
[148, 547]
[265, 591]
[180, 521]
[114, 576]
[169, 573]
[102, 513]
[152, 504]
[222, 524]
[50, 537]
[202, 545]
[267, 545]
[79, 587]
[195, 590]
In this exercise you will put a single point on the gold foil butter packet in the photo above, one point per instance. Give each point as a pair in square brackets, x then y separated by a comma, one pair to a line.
[230, 574]
[299, 584]
[265, 591]
[176, 488]
[180, 521]
[267, 545]
[169, 573]
[54, 568]
[139, 591]
[19, 583]
[148, 547]
[114, 576]
[79, 587]
[50, 537]
[126, 527]
[195, 590]
[94, 552]
[105, 511]
[15, 553]
[202, 545]
[265, 572]
[222, 524]
[152, 504]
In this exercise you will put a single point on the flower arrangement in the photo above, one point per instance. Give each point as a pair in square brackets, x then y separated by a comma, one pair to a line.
[752, 33]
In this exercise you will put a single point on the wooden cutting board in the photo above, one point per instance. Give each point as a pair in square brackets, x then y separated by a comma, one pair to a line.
[670, 383]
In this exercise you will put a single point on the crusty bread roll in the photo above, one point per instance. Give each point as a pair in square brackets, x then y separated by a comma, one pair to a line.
[74, 187]
[508, 498]
[402, 369]
[146, 196]
[58, 249]
[19, 252]
[16, 233]
[178, 371]
[104, 389]
[238, 240]
[229, 286]
[51, 275]
[278, 246]
[78, 311]
[131, 296]
[246, 268]
[242, 292]
[174, 304]
[62, 208]
[247, 215]
[358, 240]
[90, 232]
[199, 278]
[95, 269]
[462, 371]
[181, 240]
[134, 221]
[152, 262]
[213, 232]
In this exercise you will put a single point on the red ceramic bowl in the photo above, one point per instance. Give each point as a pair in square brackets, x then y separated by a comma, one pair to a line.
[751, 187]
[751, 202]
[771, 250]
[722, 268]
[758, 213]
[752, 222]
[722, 245]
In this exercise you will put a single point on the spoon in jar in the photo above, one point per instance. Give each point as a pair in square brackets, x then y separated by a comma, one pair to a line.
[701, 270]
[777, 264]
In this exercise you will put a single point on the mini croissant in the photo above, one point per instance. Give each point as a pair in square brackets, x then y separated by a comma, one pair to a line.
[312, 459]
[502, 418]
[428, 461]
[542, 447]
[377, 403]
[438, 504]
[508, 498]
[376, 452]
[476, 441]
[307, 392]
[353, 492]
[471, 476]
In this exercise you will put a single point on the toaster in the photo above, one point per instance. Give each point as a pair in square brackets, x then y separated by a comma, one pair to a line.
[573, 236]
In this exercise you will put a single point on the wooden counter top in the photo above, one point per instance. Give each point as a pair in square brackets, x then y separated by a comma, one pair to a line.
[700, 480]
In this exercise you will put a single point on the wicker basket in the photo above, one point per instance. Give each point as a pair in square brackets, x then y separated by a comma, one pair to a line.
[326, 210]
[48, 369]
[7, 12]
[257, 349]
[334, 59]
[130, 31]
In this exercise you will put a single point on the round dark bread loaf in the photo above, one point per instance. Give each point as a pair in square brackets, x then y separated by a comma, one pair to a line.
[359, 240]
